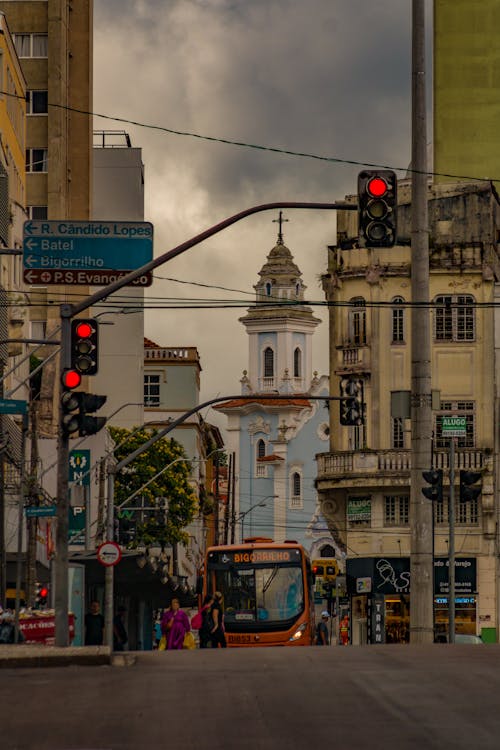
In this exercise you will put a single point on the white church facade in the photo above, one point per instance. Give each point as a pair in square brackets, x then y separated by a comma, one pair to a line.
[275, 440]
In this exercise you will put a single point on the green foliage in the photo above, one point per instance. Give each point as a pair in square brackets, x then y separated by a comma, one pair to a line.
[172, 487]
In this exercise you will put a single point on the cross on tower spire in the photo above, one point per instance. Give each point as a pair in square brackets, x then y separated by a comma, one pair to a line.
[280, 220]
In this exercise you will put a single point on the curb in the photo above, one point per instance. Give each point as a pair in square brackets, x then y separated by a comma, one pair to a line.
[19, 656]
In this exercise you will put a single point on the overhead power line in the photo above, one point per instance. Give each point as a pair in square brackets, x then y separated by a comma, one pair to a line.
[258, 147]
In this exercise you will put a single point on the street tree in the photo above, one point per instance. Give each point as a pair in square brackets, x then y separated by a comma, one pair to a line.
[170, 493]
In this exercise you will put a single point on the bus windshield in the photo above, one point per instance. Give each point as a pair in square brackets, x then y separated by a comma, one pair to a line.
[260, 595]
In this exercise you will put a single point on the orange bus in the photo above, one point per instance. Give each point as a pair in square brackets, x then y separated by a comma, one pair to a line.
[267, 591]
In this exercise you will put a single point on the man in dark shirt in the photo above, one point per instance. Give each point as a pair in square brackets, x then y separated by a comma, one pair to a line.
[94, 626]
[322, 638]
[120, 636]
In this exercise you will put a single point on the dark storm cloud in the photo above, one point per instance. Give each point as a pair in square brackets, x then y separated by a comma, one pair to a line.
[327, 77]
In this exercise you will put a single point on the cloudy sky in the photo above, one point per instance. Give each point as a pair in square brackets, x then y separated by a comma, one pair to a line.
[330, 78]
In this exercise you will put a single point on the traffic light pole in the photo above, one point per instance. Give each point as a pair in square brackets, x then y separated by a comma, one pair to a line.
[451, 547]
[61, 581]
[421, 562]
[67, 312]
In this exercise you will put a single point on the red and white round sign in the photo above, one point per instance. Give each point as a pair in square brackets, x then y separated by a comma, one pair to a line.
[109, 553]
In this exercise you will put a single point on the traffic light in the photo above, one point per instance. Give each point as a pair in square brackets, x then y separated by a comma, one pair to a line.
[76, 408]
[70, 403]
[434, 477]
[85, 346]
[90, 403]
[352, 406]
[377, 205]
[469, 490]
[127, 528]
[41, 596]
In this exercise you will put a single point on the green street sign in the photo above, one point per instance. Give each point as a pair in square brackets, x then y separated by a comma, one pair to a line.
[454, 426]
[13, 406]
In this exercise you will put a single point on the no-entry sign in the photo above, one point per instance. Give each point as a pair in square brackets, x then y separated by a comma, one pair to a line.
[109, 553]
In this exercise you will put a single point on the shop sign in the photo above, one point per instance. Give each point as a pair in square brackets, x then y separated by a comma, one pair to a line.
[389, 575]
[465, 576]
[363, 585]
[359, 509]
[377, 620]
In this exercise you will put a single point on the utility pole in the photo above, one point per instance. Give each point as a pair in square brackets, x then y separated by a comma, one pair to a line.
[421, 562]
[451, 546]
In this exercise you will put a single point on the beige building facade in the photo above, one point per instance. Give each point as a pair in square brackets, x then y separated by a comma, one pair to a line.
[363, 480]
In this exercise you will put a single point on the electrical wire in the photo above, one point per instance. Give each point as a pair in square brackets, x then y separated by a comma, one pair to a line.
[255, 146]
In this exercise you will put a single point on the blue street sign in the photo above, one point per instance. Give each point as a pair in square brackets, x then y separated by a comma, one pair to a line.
[13, 406]
[35, 511]
[87, 245]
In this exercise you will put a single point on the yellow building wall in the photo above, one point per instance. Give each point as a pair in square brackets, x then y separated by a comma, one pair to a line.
[467, 88]
[13, 117]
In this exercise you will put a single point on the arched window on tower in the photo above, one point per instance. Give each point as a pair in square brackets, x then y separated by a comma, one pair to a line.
[269, 288]
[268, 362]
[260, 452]
[297, 289]
[296, 500]
[297, 363]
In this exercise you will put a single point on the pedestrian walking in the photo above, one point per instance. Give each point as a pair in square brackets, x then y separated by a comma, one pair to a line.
[94, 625]
[322, 638]
[175, 625]
[120, 636]
[217, 635]
[207, 623]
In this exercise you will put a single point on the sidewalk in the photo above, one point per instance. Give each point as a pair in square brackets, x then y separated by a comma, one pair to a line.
[31, 655]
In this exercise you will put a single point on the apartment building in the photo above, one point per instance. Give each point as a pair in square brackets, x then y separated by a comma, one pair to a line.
[363, 481]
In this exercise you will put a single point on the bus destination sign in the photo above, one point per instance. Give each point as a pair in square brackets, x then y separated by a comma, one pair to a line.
[248, 557]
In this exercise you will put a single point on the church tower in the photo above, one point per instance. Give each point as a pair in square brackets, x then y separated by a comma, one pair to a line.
[280, 327]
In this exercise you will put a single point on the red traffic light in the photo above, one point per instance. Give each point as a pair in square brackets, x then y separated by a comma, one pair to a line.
[71, 379]
[377, 187]
[84, 330]
[43, 593]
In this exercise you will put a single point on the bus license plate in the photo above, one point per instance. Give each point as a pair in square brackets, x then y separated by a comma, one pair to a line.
[239, 639]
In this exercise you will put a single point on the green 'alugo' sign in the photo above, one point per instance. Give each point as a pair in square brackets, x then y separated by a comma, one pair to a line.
[454, 426]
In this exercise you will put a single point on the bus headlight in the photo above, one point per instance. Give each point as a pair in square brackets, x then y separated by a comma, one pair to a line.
[299, 632]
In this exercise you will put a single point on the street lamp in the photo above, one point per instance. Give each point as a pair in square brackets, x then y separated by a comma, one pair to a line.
[260, 504]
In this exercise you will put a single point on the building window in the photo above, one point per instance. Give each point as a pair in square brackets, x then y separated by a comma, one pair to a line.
[36, 159]
[466, 514]
[456, 408]
[268, 289]
[397, 432]
[398, 313]
[38, 329]
[261, 449]
[260, 452]
[31, 45]
[297, 363]
[268, 362]
[357, 321]
[396, 510]
[454, 318]
[151, 390]
[296, 501]
[38, 213]
[327, 551]
[37, 102]
[357, 437]
[359, 511]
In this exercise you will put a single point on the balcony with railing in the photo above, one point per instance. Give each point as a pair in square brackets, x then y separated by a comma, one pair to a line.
[379, 466]
[354, 357]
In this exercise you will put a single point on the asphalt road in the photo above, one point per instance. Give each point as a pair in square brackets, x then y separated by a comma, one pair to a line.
[376, 697]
